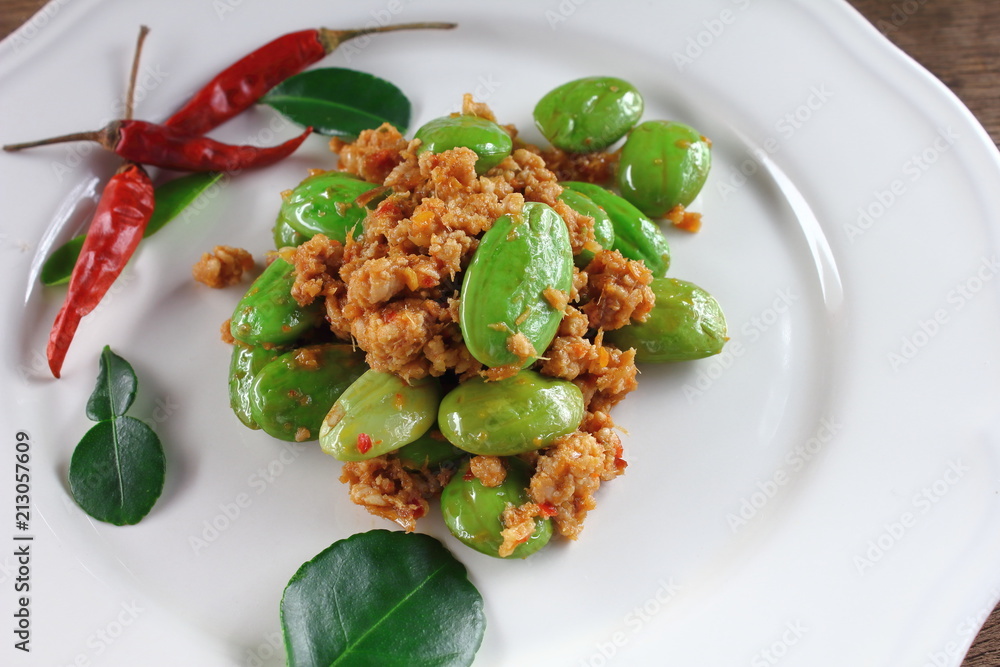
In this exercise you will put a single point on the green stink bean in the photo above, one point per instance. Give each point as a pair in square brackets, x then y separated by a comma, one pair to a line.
[473, 512]
[290, 396]
[267, 313]
[285, 236]
[636, 236]
[246, 362]
[489, 141]
[378, 414]
[325, 204]
[588, 114]
[663, 164]
[503, 292]
[430, 451]
[604, 231]
[518, 414]
[686, 323]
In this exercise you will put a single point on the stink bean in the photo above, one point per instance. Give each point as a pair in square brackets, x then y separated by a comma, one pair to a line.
[663, 164]
[518, 414]
[636, 236]
[291, 394]
[285, 236]
[378, 414]
[430, 451]
[489, 141]
[267, 313]
[686, 323]
[588, 114]
[246, 362]
[473, 512]
[503, 292]
[325, 204]
[604, 231]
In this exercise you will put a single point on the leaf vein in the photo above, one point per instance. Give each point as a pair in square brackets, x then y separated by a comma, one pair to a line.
[118, 464]
[401, 602]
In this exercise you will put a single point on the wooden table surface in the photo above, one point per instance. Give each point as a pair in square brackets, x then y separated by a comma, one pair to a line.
[957, 40]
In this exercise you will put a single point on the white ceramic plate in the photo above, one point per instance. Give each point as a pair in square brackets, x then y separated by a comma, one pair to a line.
[824, 493]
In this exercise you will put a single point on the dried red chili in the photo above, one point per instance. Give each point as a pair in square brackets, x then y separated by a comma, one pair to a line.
[120, 219]
[247, 80]
[364, 443]
[159, 146]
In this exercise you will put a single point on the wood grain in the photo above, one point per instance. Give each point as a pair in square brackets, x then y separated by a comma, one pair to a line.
[957, 40]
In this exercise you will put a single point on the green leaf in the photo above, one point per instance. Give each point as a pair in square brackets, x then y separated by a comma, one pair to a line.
[385, 599]
[170, 198]
[117, 471]
[115, 389]
[59, 266]
[174, 196]
[340, 102]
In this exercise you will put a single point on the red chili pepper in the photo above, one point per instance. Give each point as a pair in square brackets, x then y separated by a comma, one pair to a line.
[547, 509]
[249, 78]
[159, 146]
[364, 443]
[120, 219]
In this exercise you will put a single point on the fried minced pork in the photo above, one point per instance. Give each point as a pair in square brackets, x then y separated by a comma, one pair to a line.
[617, 291]
[566, 476]
[681, 218]
[394, 292]
[387, 290]
[317, 265]
[600, 425]
[373, 155]
[518, 525]
[596, 167]
[222, 267]
[603, 373]
[489, 470]
[385, 488]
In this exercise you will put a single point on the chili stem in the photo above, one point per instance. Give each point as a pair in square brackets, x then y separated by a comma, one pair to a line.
[333, 38]
[92, 135]
[130, 96]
